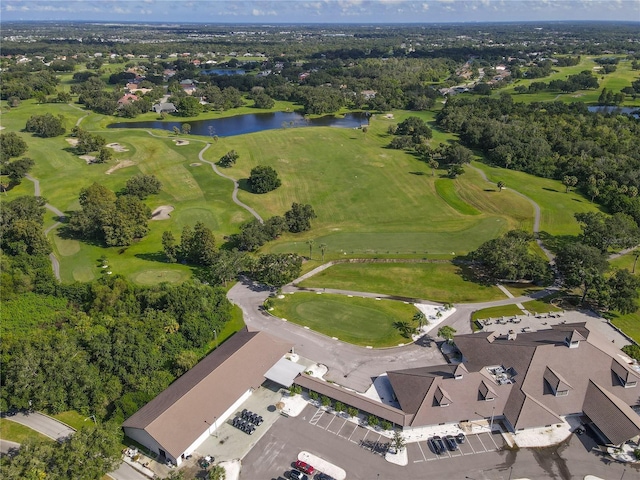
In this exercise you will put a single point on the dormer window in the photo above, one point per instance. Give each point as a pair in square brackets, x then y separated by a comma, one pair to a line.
[486, 392]
[441, 398]
[626, 377]
[558, 385]
[573, 340]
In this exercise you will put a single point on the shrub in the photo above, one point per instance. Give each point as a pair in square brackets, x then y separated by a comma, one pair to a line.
[326, 401]
[353, 412]
[339, 406]
[386, 425]
[313, 395]
[373, 420]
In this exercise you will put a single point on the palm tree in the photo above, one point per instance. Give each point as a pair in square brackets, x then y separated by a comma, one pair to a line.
[310, 242]
[323, 248]
[421, 318]
[500, 185]
[637, 255]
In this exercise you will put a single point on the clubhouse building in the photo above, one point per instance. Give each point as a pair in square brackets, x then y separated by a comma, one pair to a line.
[524, 381]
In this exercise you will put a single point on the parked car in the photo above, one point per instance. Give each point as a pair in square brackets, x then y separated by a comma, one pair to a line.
[304, 467]
[451, 442]
[435, 443]
[440, 443]
[323, 476]
[460, 438]
[297, 475]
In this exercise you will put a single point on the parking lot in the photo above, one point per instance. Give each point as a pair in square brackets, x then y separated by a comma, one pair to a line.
[343, 428]
[475, 444]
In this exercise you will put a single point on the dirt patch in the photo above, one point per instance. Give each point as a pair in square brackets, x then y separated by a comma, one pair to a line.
[72, 141]
[162, 212]
[196, 164]
[180, 143]
[88, 158]
[389, 116]
[118, 166]
[117, 147]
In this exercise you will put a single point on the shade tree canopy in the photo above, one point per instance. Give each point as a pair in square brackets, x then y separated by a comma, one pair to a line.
[45, 125]
[299, 217]
[263, 179]
[142, 186]
[11, 145]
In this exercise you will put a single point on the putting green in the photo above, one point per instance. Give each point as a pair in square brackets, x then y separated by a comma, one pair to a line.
[83, 273]
[361, 321]
[66, 247]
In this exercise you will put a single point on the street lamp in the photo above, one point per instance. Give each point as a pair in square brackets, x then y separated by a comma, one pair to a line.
[493, 411]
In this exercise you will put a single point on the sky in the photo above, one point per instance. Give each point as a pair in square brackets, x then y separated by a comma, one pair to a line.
[319, 11]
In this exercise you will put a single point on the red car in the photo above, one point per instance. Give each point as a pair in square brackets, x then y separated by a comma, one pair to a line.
[304, 467]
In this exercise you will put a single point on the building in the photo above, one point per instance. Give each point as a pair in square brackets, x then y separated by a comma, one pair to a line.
[526, 380]
[178, 420]
[164, 108]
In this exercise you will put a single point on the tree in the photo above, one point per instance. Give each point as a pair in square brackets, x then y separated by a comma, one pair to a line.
[310, 242]
[569, 181]
[433, 164]
[276, 269]
[339, 407]
[447, 333]
[226, 266]
[262, 100]
[605, 231]
[398, 442]
[421, 319]
[299, 217]
[455, 170]
[186, 129]
[501, 185]
[457, 154]
[228, 159]
[323, 248]
[353, 412]
[142, 186]
[11, 145]
[580, 266]
[169, 246]
[263, 179]
[17, 169]
[508, 257]
[623, 291]
[198, 246]
[104, 155]
[45, 125]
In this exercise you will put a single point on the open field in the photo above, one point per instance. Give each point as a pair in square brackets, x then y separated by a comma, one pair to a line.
[438, 282]
[361, 321]
[557, 208]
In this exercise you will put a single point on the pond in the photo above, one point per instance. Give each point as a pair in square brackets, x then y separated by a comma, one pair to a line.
[254, 122]
[224, 71]
[634, 111]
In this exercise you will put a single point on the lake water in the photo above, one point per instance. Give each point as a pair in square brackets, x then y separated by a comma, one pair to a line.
[224, 71]
[635, 111]
[254, 122]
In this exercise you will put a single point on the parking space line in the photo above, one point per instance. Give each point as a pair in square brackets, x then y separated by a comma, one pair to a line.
[482, 443]
[494, 442]
[330, 422]
[354, 431]
[340, 429]
[421, 451]
[473, 450]
[316, 417]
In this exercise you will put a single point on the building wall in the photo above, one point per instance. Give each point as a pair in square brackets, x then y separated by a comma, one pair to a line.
[143, 438]
[219, 421]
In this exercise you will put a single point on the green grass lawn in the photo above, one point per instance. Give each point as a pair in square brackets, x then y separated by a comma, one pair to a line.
[557, 207]
[361, 321]
[439, 282]
[15, 432]
[73, 419]
[495, 312]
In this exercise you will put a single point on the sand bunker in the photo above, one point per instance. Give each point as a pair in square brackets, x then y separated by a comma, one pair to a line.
[72, 141]
[162, 212]
[117, 147]
[389, 115]
[180, 143]
[122, 164]
[88, 158]
[196, 164]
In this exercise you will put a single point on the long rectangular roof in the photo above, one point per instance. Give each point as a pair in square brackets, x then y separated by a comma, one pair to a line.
[181, 413]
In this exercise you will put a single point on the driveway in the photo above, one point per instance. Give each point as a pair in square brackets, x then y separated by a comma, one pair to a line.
[43, 424]
[349, 365]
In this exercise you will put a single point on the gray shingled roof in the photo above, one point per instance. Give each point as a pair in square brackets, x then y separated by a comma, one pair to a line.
[612, 416]
[179, 415]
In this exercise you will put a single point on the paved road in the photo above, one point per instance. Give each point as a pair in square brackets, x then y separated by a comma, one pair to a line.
[6, 446]
[234, 195]
[127, 472]
[45, 425]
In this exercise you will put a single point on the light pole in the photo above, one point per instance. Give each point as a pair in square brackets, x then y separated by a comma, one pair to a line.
[215, 432]
[493, 411]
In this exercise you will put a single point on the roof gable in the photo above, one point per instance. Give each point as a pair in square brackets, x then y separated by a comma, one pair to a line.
[613, 417]
[556, 382]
